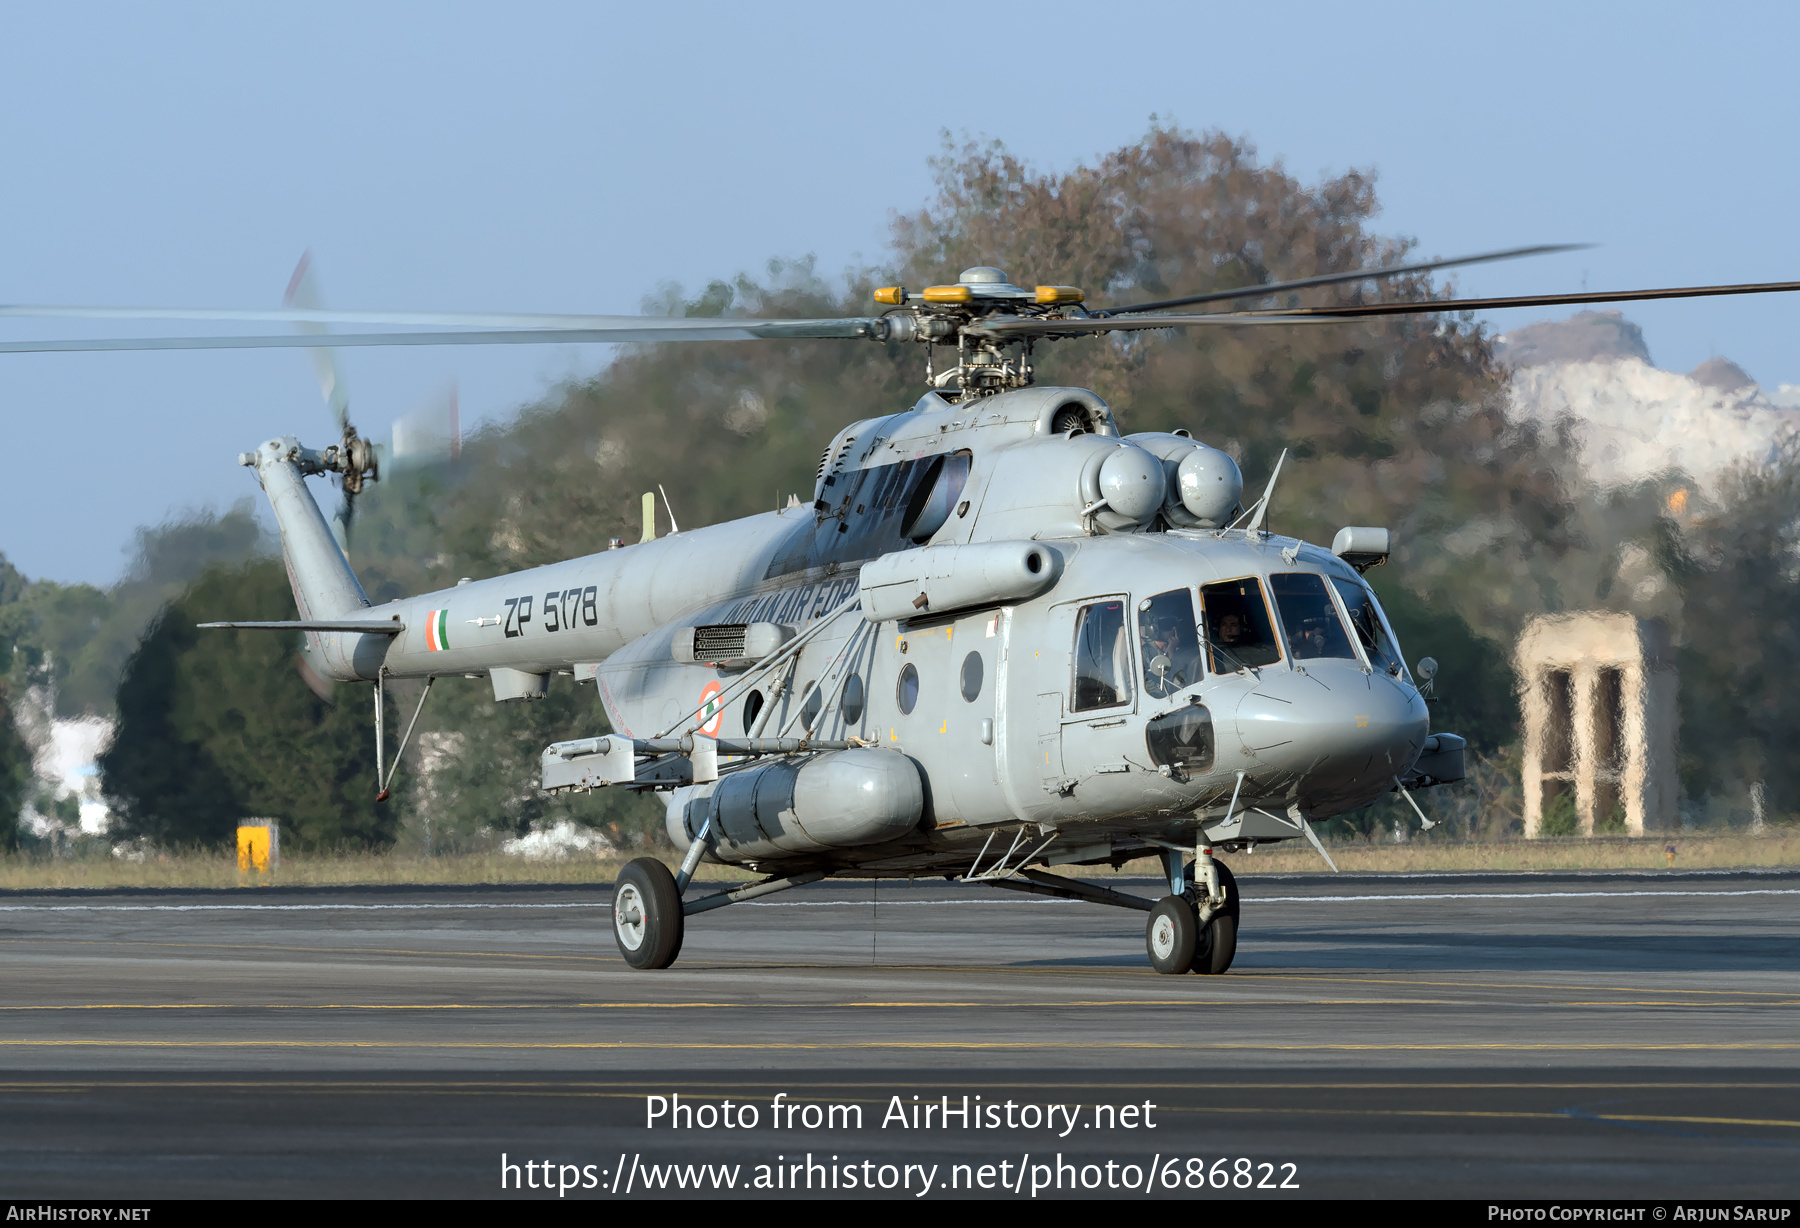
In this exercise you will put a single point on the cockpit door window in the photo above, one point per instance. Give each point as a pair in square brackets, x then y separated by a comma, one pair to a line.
[1168, 642]
[1102, 657]
[1309, 616]
[1371, 629]
[1239, 631]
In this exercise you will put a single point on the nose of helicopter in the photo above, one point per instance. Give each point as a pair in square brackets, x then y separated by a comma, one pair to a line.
[1333, 721]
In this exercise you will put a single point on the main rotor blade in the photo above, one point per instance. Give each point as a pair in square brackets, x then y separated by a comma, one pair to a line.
[300, 312]
[1526, 300]
[1019, 328]
[625, 329]
[1329, 279]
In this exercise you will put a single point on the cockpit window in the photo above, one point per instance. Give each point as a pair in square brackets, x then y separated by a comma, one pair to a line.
[1239, 632]
[1168, 642]
[1371, 630]
[1181, 742]
[1102, 657]
[1309, 616]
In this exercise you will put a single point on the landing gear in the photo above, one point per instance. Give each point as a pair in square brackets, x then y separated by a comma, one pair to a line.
[647, 916]
[1176, 940]
[1171, 935]
[1216, 945]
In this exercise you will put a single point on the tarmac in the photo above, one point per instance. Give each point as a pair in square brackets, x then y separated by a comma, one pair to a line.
[1455, 1035]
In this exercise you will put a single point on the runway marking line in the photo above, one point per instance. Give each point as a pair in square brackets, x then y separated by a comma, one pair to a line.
[271, 946]
[1405, 896]
[760, 1005]
[933, 1004]
[709, 1090]
[923, 1046]
[1247, 974]
[1394, 980]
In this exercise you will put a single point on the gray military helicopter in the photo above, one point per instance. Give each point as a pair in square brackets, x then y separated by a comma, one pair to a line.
[1003, 635]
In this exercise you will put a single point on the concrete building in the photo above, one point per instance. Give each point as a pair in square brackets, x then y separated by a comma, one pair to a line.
[1598, 696]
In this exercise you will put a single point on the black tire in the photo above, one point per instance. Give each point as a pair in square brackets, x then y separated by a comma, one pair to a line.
[1170, 934]
[1215, 945]
[647, 920]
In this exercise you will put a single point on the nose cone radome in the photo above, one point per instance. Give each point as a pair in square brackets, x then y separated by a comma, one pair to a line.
[1333, 721]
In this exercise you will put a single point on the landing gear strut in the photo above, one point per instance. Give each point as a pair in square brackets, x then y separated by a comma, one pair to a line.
[1176, 940]
[650, 917]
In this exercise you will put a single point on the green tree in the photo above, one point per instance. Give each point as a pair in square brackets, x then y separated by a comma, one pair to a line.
[1738, 568]
[15, 770]
[1473, 694]
[215, 726]
[74, 638]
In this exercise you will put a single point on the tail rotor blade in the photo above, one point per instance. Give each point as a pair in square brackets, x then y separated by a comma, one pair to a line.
[303, 293]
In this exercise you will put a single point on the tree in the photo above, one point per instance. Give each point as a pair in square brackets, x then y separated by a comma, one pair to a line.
[215, 726]
[15, 771]
[1738, 569]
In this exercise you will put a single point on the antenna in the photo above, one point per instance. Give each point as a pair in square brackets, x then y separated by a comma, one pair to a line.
[1262, 505]
[673, 527]
[649, 518]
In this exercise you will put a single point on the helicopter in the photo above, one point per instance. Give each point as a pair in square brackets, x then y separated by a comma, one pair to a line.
[1003, 636]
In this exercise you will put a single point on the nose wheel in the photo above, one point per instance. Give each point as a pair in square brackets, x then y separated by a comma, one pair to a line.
[1172, 935]
[1177, 942]
[647, 918]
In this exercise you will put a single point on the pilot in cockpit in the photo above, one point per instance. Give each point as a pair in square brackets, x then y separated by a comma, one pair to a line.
[1171, 660]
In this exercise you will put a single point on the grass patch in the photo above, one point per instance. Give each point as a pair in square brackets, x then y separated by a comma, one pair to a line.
[213, 870]
[1571, 853]
[219, 869]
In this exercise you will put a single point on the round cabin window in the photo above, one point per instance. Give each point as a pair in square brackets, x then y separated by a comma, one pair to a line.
[908, 691]
[753, 706]
[853, 699]
[971, 677]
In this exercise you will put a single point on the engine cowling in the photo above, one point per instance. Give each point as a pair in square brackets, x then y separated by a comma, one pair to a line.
[941, 579]
[1204, 485]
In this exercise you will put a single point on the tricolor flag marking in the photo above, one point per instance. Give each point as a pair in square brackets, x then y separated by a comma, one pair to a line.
[437, 630]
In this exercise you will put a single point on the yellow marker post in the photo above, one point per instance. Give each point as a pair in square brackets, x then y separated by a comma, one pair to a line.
[259, 847]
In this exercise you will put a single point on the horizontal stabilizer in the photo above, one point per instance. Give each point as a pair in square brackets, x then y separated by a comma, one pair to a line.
[394, 627]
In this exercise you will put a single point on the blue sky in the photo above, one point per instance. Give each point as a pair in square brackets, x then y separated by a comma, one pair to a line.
[571, 157]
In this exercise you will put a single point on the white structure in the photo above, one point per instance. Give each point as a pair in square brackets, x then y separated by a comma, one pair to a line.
[1598, 693]
[63, 755]
[1635, 420]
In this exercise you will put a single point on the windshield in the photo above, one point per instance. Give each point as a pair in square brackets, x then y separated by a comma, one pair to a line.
[1168, 642]
[1371, 628]
[1239, 633]
[1309, 616]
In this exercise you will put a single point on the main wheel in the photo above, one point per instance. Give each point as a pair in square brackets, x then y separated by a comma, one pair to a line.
[647, 918]
[1170, 935]
[1215, 945]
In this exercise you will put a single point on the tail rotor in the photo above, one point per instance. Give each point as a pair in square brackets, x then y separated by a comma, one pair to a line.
[353, 458]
